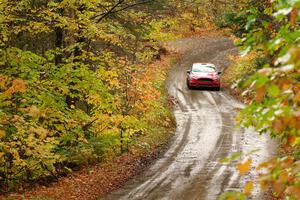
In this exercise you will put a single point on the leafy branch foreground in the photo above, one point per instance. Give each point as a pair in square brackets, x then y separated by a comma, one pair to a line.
[271, 72]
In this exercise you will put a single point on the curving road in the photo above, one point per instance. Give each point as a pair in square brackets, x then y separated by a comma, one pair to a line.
[206, 132]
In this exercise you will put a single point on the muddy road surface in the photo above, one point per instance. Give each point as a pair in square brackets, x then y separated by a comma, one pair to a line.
[206, 132]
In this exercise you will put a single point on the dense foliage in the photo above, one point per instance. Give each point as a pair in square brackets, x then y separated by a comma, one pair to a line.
[75, 83]
[76, 80]
[271, 30]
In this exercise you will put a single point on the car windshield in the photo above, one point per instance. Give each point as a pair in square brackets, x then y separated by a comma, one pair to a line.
[203, 69]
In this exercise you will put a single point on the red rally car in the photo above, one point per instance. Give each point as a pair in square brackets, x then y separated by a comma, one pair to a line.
[203, 75]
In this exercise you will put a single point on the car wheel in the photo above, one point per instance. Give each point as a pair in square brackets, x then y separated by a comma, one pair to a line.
[218, 88]
[188, 85]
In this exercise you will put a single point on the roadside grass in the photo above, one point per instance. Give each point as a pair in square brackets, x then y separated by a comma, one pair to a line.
[160, 119]
[241, 68]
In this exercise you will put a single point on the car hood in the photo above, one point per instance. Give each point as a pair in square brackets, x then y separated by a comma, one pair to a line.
[204, 75]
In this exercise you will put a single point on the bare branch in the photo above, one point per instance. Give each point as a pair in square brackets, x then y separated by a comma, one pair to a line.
[132, 5]
[115, 9]
[103, 15]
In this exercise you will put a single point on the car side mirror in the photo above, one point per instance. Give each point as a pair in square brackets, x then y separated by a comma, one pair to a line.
[188, 71]
[219, 73]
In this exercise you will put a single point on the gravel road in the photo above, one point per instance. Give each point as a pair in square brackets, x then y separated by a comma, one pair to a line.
[206, 132]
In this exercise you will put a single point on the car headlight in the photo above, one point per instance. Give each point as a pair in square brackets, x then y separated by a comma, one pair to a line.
[193, 76]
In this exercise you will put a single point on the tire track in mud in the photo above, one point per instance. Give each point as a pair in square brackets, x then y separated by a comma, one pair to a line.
[189, 107]
[169, 159]
[205, 133]
[212, 168]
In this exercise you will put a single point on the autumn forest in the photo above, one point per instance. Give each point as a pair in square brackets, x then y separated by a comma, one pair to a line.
[83, 82]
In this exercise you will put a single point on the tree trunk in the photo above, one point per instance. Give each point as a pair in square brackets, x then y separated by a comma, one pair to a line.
[58, 44]
[122, 140]
[59, 38]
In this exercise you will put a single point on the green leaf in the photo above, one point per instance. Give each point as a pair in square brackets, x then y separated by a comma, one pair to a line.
[231, 158]
[274, 90]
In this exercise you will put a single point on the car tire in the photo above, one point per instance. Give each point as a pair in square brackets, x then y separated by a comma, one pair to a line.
[218, 88]
[188, 85]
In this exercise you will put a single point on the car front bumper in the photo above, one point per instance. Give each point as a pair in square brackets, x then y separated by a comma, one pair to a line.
[198, 83]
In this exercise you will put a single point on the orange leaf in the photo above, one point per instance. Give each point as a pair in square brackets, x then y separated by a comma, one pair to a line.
[285, 84]
[3, 80]
[18, 85]
[296, 87]
[278, 187]
[297, 97]
[244, 167]
[265, 165]
[293, 191]
[287, 162]
[260, 94]
[290, 141]
[293, 17]
[278, 126]
[283, 177]
[248, 188]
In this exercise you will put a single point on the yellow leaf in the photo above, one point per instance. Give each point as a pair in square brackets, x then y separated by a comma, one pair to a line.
[33, 111]
[264, 185]
[244, 167]
[248, 188]
[2, 133]
[41, 132]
